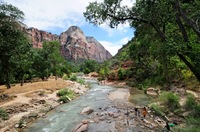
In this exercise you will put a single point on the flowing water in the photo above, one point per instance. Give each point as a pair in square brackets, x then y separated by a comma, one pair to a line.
[138, 98]
[67, 116]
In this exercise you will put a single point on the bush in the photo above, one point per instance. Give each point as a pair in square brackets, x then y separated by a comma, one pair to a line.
[81, 81]
[158, 110]
[3, 114]
[193, 125]
[197, 111]
[62, 92]
[190, 102]
[65, 77]
[170, 100]
[65, 99]
[66, 95]
[73, 77]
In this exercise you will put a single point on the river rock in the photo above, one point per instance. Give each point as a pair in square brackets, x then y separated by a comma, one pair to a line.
[85, 121]
[87, 110]
[81, 128]
[193, 93]
[152, 92]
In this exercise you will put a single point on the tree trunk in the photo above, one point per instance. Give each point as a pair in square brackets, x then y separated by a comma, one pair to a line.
[191, 67]
[7, 81]
[22, 80]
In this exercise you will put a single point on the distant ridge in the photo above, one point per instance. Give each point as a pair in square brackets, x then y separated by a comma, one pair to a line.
[74, 44]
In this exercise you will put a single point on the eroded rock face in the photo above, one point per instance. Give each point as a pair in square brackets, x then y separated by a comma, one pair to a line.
[38, 37]
[74, 44]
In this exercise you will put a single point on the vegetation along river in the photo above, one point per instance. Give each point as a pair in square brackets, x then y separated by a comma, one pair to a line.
[65, 117]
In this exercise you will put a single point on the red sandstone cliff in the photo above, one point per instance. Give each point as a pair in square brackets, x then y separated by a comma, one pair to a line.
[74, 44]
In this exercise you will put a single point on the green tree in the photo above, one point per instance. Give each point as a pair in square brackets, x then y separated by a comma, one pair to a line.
[104, 70]
[13, 42]
[171, 25]
[40, 66]
[89, 66]
[52, 55]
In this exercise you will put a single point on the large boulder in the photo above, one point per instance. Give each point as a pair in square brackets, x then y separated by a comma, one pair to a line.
[87, 110]
[80, 128]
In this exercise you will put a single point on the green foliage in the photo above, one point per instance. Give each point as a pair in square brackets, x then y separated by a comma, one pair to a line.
[170, 100]
[81, 81]
[62, 92]
[89, 66]
[158, 110]
[73, 77]
[66, 95]
[192, 125]
[21, 123]
[14, 44]
[104, 70]
[196, 112]
[53, 58]
[165, 39]
[124, 73]
[3, 114]
[65, 77]
[190, 102]
[121, 74]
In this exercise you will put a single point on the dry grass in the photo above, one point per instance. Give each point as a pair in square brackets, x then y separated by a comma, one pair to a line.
[51, 84]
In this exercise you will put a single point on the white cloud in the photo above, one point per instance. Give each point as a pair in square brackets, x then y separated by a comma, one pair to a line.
[48, 14]
[45, 14]
[113, 47]
[51, 14]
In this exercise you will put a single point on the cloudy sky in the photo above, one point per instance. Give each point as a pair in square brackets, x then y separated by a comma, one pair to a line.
[57, 16]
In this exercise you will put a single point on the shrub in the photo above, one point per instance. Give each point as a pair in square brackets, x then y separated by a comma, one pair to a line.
[66, 95]
[65, 77]
[62, 92]
[158, 110]
[190, 102]
[73, 77]
[197, 111]
[193, 125]
[65, 99]
[3, 114]
[170, 100]
[81, 81]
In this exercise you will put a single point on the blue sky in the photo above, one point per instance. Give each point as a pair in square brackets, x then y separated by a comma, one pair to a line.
[57, 16]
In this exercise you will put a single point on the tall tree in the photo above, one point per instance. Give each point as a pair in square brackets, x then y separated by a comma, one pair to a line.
[175, 22]
[13, 41]
[51, 52]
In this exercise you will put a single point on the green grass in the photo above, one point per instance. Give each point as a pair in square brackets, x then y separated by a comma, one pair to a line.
[158, 110]
[3, 114]
[170, 100]
[190, 102]
[66, 95]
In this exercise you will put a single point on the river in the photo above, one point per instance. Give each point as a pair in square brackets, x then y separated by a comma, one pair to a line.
[65, 117]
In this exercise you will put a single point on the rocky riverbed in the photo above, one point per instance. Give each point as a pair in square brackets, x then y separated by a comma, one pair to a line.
[27, 105]
[119, 116]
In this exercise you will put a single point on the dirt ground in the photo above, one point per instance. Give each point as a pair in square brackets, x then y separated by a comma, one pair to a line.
[26, 103]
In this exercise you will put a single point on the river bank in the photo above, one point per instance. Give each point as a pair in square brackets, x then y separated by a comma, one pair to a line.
[111, 110]
[119, 115]
[25, 104]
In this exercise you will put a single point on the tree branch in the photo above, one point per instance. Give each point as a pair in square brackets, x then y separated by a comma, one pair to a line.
[161, 34]
[187, 20]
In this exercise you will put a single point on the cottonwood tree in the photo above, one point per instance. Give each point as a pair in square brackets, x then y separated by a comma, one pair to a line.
[53, 58]
[174, 23]
[13, 42]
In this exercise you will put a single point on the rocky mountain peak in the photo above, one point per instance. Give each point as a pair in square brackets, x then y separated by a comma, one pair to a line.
[74, 44]
[74, 31]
